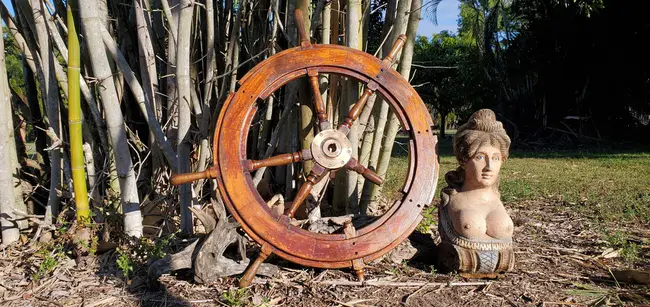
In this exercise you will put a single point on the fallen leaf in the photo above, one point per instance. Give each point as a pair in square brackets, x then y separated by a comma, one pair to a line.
[610, 253]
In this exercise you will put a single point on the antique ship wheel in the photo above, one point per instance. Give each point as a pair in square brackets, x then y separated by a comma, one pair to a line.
[330, 151]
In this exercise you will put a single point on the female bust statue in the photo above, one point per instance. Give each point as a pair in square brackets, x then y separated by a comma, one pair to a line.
[475, 229]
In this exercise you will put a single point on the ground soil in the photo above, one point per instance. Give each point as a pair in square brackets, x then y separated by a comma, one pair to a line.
[561, 259]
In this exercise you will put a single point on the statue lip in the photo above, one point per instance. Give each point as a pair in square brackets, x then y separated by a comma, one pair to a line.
[487, 175]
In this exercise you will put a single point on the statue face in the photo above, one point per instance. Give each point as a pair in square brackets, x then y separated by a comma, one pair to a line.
[482, 170]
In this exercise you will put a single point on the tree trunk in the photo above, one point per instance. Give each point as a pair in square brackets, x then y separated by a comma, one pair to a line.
[346, 192]
[171, 83]
[183, 60]
[29, 70]
[50, 92]
[375, 109]
[393, 125]
[443, 123]
[365, 27]
[210, 67]
[394, 26]
[88, 11]
[10, 231]
[289, 138]
[147, 57]
[233, 47]
[265, 130]
[326, 39]
[364, 158]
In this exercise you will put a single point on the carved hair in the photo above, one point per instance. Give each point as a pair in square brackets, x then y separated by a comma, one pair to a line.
[482, 129]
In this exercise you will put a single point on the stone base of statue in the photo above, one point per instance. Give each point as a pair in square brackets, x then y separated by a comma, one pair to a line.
[476, 263]
[474, 258]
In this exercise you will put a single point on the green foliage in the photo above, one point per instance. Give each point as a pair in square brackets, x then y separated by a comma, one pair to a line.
[14, 62]
[429, 217]
[51, 255]
[630, 251]
[124, 262]
[135, 256]
[147, 249]
[446, 73]
[236, 297]
[533, 62]
[608, 296]
[399, 270]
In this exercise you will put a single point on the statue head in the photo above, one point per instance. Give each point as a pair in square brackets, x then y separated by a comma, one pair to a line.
[481, 145]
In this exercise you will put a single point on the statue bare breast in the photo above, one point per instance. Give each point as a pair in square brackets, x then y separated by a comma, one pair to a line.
[477, 220]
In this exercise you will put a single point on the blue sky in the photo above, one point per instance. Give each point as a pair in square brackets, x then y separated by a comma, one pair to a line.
[10, 7]
[448, 12]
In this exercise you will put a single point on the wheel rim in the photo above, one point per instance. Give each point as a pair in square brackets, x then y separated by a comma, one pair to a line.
[250, 210]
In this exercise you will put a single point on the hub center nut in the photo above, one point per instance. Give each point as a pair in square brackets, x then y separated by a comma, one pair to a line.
[331, 149]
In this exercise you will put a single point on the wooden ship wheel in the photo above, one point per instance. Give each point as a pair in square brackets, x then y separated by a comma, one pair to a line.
[330, 150]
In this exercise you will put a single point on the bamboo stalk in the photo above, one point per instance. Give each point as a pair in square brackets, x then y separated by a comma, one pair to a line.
[10, 231]
[396, 23]
[183, 62]
[265, 130]
[210, 67]
[88, 12]
[74, 123]
[51, 96]
[147, 57]
[136, 89]
[393, 124]
[346, 193]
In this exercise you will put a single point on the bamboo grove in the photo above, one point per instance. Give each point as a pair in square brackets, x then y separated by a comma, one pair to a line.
[118, 95]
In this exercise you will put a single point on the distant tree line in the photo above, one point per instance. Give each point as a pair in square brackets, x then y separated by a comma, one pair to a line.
[570, 71]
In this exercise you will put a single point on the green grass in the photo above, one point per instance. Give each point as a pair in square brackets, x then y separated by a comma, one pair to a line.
[614, 186]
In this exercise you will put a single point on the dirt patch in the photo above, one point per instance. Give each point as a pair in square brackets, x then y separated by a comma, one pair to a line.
[562, 259]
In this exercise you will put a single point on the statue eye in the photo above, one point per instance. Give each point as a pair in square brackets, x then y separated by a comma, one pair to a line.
[495, 158]
[479, 157]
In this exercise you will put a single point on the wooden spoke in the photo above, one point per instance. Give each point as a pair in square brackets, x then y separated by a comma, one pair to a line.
[354, 165]
[209, 173]
[397, 46]
[247, 279]
[319, 105]
[278, 160]
[371, 87]
[300, 24]
[317, 173]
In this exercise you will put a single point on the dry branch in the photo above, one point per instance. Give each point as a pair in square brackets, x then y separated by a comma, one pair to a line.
[377, 283]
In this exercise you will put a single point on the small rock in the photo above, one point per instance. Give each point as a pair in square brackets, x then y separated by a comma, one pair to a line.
[404, 251]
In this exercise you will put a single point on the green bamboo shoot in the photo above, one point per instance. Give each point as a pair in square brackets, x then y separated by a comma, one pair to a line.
[74, 121]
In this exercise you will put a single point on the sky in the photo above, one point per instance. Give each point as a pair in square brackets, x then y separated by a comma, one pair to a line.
[10, 7]
[448, 13]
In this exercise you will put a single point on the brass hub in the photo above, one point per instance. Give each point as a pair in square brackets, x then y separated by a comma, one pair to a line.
[331, 149]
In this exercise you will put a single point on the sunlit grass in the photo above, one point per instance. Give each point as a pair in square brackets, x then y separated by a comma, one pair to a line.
[614, 186]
